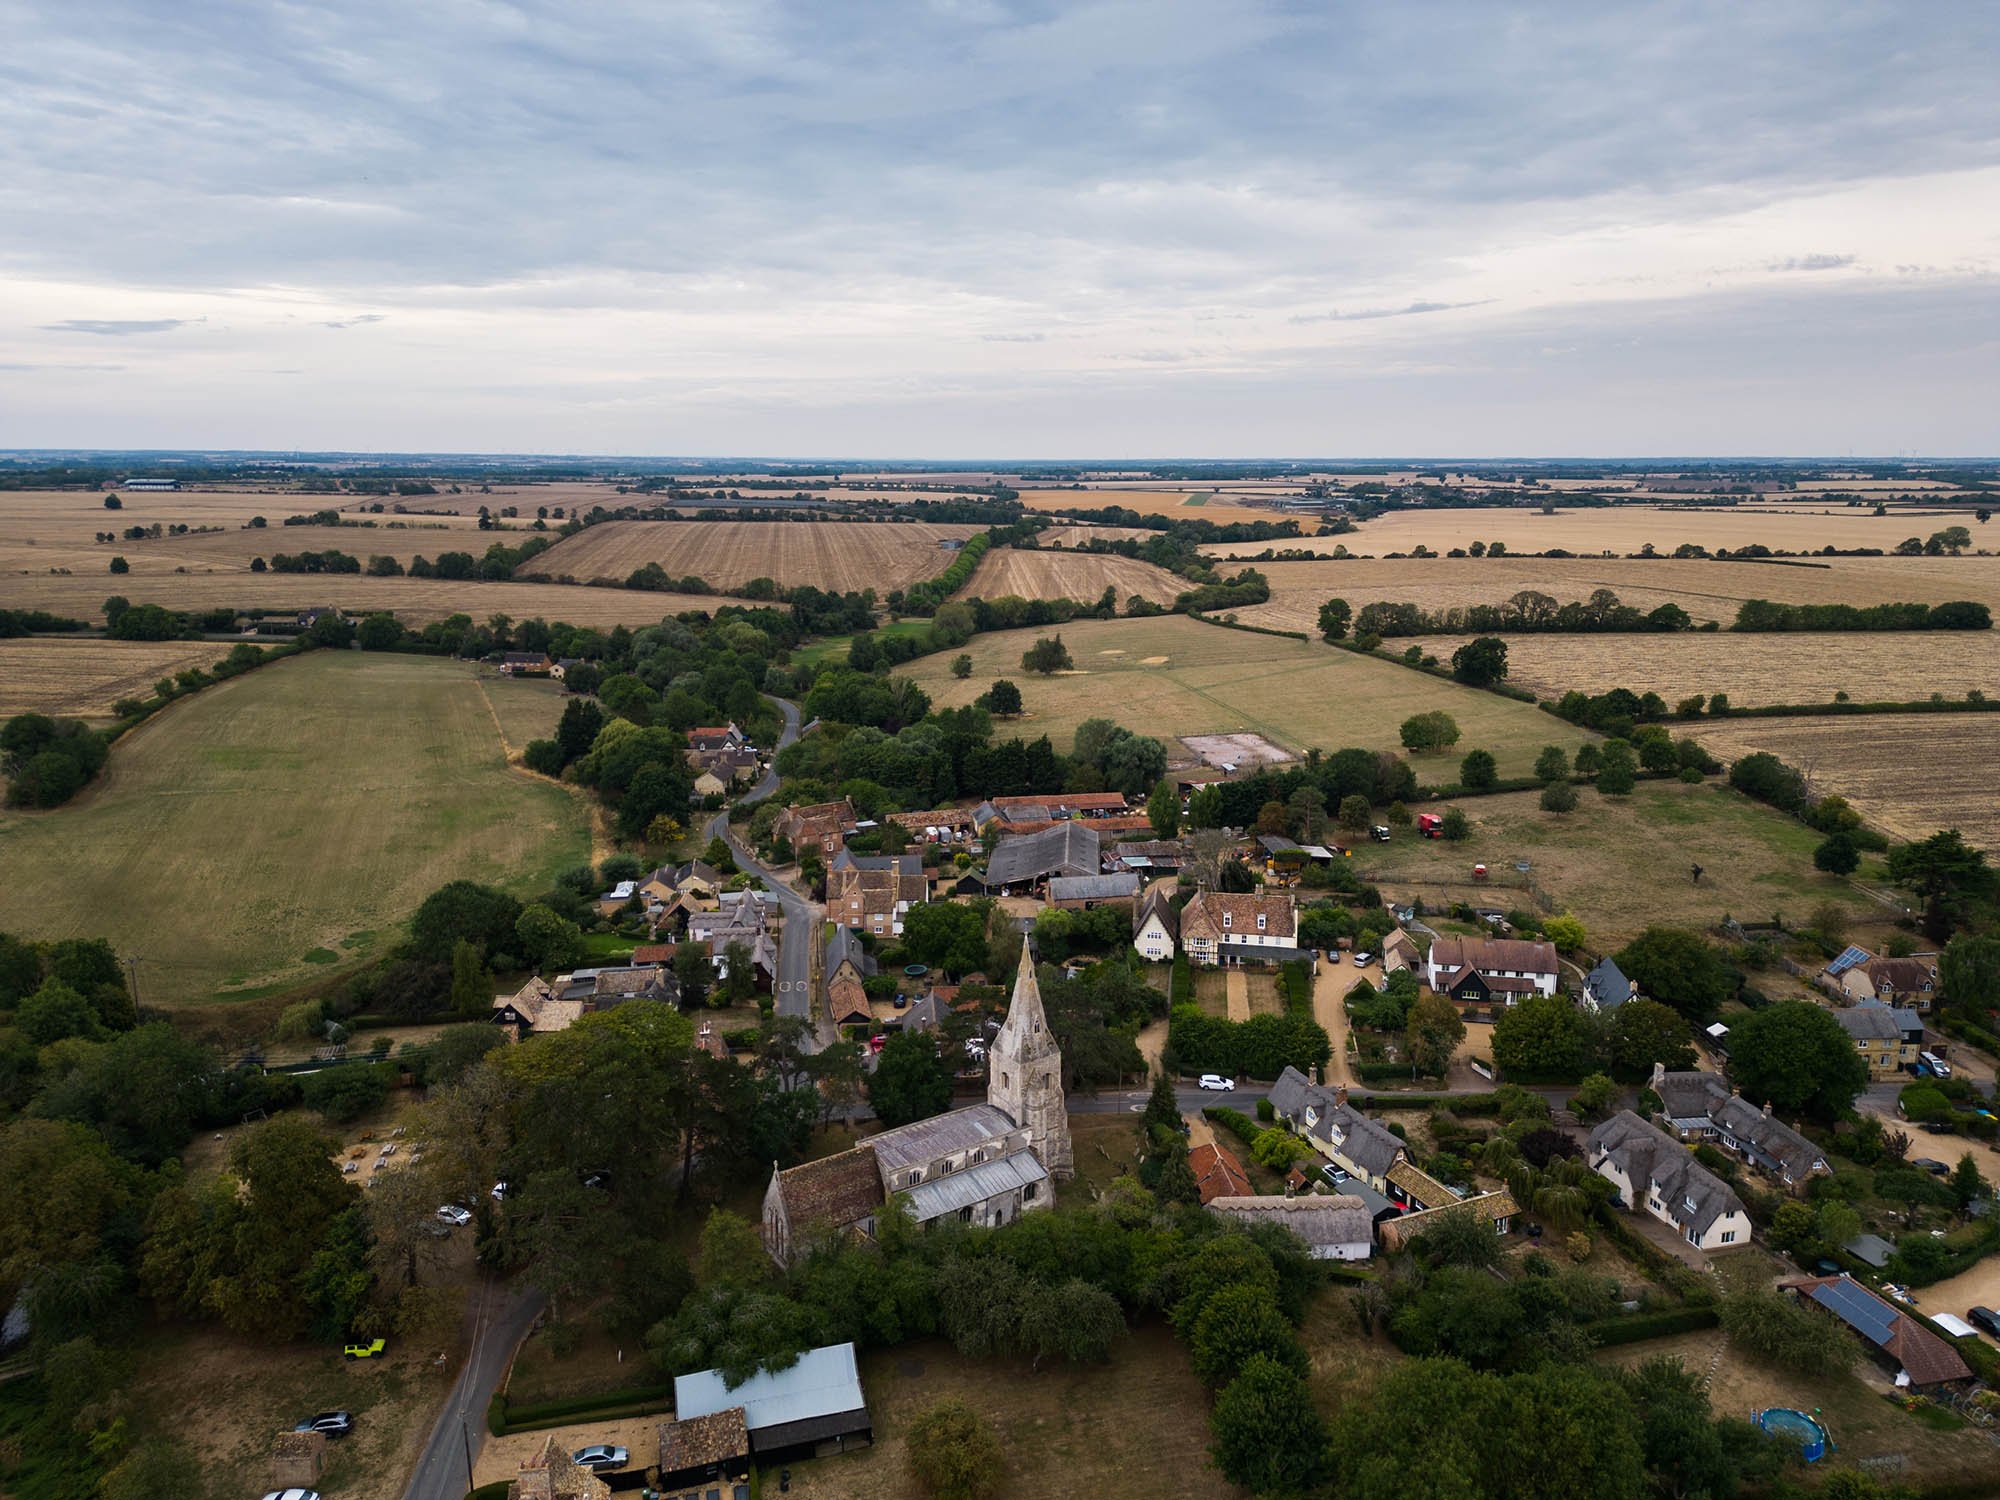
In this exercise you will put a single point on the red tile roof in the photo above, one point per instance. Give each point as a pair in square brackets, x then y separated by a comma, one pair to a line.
[1219, 1174]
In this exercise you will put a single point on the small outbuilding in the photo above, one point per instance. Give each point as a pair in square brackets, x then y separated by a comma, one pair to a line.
[700, 1450]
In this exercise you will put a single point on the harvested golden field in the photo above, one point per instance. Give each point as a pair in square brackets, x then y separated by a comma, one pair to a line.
[1172, 676]
[413, 600]
[1754, 670]
[1070, 575]
[1908, 774]
[1623, 529]
[838, 556]
[290, 820]
[1707, 590]
[1192, 504]
[83, 678]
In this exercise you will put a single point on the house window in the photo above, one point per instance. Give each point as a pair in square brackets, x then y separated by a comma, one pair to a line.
[1260, 921]
[1225, 921]
[1028, 1193]
[1688, 1204]
[1728, 1236]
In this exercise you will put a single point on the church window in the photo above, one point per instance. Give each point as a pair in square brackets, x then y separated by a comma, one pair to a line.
[1028, 1193]
[965, 1214]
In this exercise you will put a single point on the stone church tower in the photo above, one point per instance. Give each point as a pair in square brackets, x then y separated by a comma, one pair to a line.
[1024, 1073]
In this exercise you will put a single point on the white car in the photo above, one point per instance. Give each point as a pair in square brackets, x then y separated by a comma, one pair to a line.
[292, 1495]
[499, 1191]
[453, 1213]
[1217, 1081]
[1363, 960]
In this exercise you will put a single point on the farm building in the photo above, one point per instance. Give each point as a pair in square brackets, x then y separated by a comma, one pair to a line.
[824, 826]
[814, 1406]
[1921, 1360]
[697, 1451]
[1022, 862]
[1082, 892]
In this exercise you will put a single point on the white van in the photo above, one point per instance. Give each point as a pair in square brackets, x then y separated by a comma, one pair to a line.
[1936, 1064]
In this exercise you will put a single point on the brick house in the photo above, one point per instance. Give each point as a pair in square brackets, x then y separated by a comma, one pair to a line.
[871, 892]
[823, 826]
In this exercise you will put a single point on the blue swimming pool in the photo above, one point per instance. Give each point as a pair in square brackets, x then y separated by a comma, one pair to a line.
[1782, 1421]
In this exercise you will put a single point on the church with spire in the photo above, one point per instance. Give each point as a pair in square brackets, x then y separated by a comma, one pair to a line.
[984, 1164]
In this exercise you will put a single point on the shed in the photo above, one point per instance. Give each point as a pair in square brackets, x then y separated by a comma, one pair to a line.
[1870, 1250]
[697, 1449]
[814, 1407]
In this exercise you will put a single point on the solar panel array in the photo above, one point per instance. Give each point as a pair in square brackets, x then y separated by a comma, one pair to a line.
[1849, 957]
[1869, 1315]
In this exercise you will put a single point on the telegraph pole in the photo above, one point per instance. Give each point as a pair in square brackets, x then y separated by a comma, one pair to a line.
[132, 968]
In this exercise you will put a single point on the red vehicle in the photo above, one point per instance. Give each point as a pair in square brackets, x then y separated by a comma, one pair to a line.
[1430, 825]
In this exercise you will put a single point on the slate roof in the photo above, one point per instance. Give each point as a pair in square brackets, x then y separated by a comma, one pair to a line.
[1689, 1095]
[1157, 903]
[1607, 985]
[939, 1196]
[1646, 1154]
[926, 1140]
[845, 947]
[1319, 1219]
[1069, 848]
[900, 864]
[1870, 1249]
[1775, 1144]
[1094, 887]
[1869, 1023]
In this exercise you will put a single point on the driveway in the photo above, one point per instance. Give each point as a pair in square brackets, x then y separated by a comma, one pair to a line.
[1330, 987]
[497, 1320]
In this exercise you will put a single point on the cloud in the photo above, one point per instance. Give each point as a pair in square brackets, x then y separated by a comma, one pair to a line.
[762, 212]
[116, 328]
[1370, 314]
[1813, 263]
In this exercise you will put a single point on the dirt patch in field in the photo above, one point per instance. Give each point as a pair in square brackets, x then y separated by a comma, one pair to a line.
[1240, 750]
[1153, 661]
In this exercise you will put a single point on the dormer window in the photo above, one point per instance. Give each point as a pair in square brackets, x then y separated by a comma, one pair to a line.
[1260, 921]
[1688, 1204]
[1225, 921]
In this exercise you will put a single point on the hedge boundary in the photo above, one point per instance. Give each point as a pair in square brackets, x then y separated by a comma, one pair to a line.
[635, 1401]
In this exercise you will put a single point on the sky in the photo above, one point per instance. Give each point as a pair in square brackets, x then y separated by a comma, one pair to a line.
[977, 229]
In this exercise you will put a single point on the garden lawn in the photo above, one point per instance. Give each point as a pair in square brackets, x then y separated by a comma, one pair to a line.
[305, 808]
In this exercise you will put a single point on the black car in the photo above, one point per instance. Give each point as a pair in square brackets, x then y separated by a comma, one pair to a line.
[1932, 1165]
[335, 1424]
[1986, 1318]
[1937, 1127]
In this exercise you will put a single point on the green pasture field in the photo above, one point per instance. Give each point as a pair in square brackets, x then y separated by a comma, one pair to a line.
[1625, 863]
[303, 809]
[1209, 680]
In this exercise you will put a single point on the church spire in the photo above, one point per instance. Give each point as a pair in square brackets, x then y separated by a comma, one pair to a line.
[1024, 1072]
